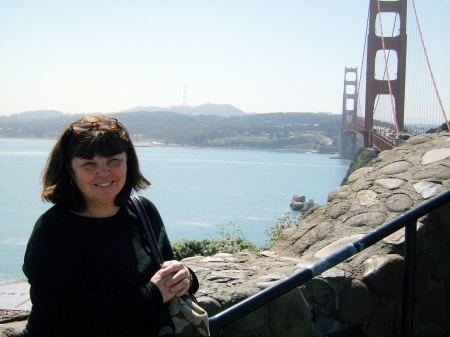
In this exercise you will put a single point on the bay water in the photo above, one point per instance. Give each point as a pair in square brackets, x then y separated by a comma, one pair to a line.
[198, 191]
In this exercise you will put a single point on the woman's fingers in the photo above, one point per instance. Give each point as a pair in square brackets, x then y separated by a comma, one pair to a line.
[170, 267]
[179, 274]
[181, 287]
[160, 282]
[175, 277]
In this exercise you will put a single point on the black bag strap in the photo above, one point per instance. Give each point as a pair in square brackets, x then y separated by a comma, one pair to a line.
[148, 230]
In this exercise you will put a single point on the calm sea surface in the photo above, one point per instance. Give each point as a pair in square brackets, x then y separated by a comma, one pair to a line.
[197, 191]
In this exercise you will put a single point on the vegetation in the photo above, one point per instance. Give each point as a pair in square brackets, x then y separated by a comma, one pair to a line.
[208, 247]
[290, 131]
[229, 242]
[362, 159]
[285, 221]
[440, 128]
[291, 142]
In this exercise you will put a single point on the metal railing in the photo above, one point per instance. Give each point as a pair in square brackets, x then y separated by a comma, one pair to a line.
[407, 220]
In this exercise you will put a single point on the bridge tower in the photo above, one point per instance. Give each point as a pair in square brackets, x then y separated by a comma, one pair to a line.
[347, 147]
[375, 87]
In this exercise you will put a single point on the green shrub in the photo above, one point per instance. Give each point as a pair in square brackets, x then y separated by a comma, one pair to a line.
[229, 242]
[208, 247]
[362, 159]
[285, 221]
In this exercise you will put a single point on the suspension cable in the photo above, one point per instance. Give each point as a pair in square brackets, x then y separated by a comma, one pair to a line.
[387, 70]
[358, 102]
[429, 66]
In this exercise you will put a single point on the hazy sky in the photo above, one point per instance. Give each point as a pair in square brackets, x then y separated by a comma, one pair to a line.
[260, 56]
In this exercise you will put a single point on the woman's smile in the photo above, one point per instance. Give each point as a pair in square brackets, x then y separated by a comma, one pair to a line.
[104, 184]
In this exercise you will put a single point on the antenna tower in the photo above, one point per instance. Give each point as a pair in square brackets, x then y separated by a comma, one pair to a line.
[184, 95]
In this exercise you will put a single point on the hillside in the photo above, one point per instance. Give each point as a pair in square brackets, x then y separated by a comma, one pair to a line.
[289, 131]
[225, 110]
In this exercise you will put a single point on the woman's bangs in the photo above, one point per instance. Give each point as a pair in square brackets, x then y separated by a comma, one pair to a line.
[101, 143]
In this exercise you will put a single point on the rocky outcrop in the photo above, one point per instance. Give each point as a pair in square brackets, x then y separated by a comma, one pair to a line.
[300, 204]
[364, 293]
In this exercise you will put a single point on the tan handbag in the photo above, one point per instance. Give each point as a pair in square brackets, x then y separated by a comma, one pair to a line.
[187, 318]
[184, 316]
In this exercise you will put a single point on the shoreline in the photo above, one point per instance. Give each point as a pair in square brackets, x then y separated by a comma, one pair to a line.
[153, 143]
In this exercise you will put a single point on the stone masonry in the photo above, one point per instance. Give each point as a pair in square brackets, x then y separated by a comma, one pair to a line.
[364, 292]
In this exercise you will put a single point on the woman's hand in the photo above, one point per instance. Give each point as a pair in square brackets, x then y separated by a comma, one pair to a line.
[173, 279]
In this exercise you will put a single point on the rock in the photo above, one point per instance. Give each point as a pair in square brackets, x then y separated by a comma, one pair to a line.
[427, 189]
[211, 305]
[380, 322]
[286, 313]
[12, 329]
[323, 300]
[436, 172]
[298, 199]
[367, 220]
[394, 168]
[316, 234]
[359, 173]
[434, 309]
[339, 193]
[367, 197]
[435, 155]
[300, 204]
[390, 184]
[384, 275]
[336, 245]
[398, 203]
[355, 303]
[339, 209]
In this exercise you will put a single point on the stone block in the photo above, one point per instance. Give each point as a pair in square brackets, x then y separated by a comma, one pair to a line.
[289, 315]
[384, 275]
[355, 303]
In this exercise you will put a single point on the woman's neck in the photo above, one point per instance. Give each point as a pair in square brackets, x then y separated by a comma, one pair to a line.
[95, 211]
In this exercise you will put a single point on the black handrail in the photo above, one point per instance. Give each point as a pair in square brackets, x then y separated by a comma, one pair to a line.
[407, 220]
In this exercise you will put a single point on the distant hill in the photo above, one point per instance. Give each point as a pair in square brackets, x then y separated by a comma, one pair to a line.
[288, 131]
[39, 114]
[224, 110]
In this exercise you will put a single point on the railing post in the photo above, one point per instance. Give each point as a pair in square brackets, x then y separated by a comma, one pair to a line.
[409, 279]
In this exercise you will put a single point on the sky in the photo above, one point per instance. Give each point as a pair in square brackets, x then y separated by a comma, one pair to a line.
[103, 56]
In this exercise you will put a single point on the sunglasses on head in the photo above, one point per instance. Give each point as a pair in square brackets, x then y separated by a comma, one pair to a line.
[102, 124]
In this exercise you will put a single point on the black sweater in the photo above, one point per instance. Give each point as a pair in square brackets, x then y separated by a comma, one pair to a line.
[91, 276]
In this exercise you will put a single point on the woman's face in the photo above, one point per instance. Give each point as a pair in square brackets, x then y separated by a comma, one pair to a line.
[100, 179]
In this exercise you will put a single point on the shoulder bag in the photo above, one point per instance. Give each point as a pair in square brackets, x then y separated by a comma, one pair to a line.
[184, 316]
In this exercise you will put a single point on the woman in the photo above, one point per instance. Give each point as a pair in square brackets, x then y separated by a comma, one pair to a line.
[88, 267]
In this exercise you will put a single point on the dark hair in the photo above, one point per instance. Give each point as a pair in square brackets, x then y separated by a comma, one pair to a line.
[58, 187]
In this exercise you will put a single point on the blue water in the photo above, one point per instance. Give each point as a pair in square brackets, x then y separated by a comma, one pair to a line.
[197, 191]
